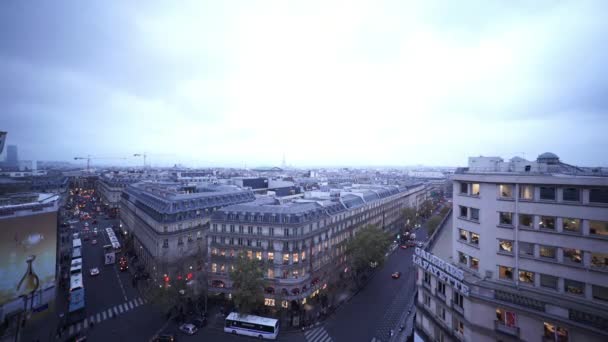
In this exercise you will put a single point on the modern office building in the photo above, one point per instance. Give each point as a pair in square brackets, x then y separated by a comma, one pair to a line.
[28, 253]
[169, 220]
[525, 258]
[302, 242]
[12, 159]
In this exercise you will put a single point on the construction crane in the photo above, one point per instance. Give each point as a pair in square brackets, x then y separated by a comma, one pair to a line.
[144, 155]
[88, 159]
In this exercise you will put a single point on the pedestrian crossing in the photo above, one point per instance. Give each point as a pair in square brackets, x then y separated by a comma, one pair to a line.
[105, 314]
[317, 334]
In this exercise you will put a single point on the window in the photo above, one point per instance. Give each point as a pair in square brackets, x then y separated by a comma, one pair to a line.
[269, 301]
[574, 287]
[474, 263]
[526, 220]
[427, 300]
[458, 326]
[548, 281]
[547, 193]
[505, 273]
[547, 252]
[441, 287]
[475, 238]
[526, 277]
[249, 255]
[250, 230]
[571, 225]
[440, 311]
[571, 194]
[599, 260]
[526, 192]
[474, 214]
[223, 228]
[599, 195]
[214, 268]
[600, 292]
[505, 190]
[286, 232]
[295, 258]
[555, 333]
[505, 218]
[258, 243]
[464, 235]
[166, 243]
[573, 255]
[464, 212]
[271, 273]
[271, 231]
[598, 228]
[464, 188]
[458, 299]
[547, 222]
[285, 258]
[427, 278]
[526, 248]
[270, 256]
[258, 255]
[303, 257]
[475, 189]
[506, 318]
[462, 258]
[259, 230]
[241, 229]
[505, 246]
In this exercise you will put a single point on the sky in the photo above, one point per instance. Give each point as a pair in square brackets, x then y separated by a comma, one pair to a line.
[323, 83]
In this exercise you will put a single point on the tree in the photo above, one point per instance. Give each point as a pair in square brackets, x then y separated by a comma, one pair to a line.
[409, 217]
[426, 208]
[164, 297]
[367, 249]
[433, 223]
[247, 283]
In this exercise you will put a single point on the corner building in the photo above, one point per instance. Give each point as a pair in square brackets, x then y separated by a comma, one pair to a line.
[302, 243]
[532, 241]
[169, 221]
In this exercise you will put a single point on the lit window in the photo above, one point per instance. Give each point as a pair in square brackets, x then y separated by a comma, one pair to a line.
[269, 301]
[295, 258]
[462, 258]
[571, 225]
[505, 246]
[464, 235]
[214, 268]
[526, 277]
[505, 273]
[547, 252]
[285, 304]
[474, 263]
[598, 228]
[475, 189]
[475, 238]
[506, 318]
[270, 256]
[270, 273]
[599, 260]
[526, 192]
[285, 259]
[555, 333]
[505, 190]
[258, 255]
[573, 255]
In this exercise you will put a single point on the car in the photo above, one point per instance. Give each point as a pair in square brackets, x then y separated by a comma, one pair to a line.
[411, 244]
[188, 329]
[94, 271]
[93, 242]
[122, 263]
[396, 275]
[420, 244]
[94, 221]
[165, 338]
[199, 322]
[403, 246]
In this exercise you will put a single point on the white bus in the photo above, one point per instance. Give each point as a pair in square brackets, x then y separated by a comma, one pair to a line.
[76, 243]
[76, 253]
[76, 282]
[251, 325]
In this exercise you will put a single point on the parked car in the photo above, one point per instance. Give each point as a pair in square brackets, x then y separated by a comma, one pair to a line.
[94, 271]
[396, 275]
[188, 329]
[123, 264]
[199, 322]
[165, 338]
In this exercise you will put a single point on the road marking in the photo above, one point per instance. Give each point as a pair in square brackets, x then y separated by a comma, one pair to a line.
[120, 308]
[130, 304]
[103, 315]
[115, 310]
[141, 302]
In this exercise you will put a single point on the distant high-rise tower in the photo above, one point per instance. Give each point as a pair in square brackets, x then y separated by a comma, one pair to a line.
[283, 163]
[11, 155]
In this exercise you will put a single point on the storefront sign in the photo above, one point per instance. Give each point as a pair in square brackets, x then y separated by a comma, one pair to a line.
[441, 269]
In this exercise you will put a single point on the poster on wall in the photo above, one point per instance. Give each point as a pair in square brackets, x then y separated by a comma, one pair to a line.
[28, 248]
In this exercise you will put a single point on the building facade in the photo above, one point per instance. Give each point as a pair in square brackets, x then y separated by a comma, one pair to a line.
[110, 189]
[301, 243]
[169, 221]
[531, 242]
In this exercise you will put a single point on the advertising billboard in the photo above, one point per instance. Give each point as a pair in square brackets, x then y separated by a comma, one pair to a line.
[28, 247]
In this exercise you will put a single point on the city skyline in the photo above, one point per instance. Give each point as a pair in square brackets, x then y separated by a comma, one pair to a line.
[350, 84]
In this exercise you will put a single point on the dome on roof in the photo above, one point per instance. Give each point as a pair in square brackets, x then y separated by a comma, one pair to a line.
[548, 157]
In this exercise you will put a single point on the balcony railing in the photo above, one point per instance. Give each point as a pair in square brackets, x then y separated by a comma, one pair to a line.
[290, 281]
[501, 327]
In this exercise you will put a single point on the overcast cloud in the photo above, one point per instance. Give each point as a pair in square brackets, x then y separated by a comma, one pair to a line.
[327, 83]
